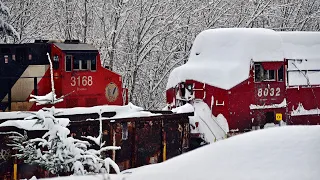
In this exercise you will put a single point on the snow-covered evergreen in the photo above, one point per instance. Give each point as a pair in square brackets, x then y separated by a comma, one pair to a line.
[5, 27]
[59, 153]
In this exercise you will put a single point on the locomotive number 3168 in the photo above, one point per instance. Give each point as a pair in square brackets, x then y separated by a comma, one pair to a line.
[81, 81]
[268, 92]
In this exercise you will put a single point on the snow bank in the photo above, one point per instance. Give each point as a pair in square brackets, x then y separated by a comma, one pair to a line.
[286, 153]
[212, 128]
[89, 177]
[222, 57]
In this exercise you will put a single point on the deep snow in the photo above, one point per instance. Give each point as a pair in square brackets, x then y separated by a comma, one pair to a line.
[284, 153]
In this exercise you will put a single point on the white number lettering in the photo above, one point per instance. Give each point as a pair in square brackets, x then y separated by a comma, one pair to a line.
[265, 92]
[259, 92]
[90, 82]
[278, 92]
[73, 81]
[82, 81]
[272, 92]
[269, 92]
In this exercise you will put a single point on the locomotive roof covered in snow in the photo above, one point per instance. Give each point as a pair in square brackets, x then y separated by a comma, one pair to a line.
[301, 45]
[222, 57]
[302, 51]
[75, 47]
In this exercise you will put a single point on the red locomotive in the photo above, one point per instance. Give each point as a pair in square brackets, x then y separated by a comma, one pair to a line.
[77, 73]
[251, 77]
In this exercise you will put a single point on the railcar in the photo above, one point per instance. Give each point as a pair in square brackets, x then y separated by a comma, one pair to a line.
[251, 77]
[77, 73]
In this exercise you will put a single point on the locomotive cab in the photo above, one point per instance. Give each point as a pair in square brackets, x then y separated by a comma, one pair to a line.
[82, 75]
[269, 93]
[77, 73]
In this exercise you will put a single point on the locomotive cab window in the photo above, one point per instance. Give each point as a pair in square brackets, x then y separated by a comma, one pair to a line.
[93, 65]
[55, 62]
[261, 74]
[68, 63]
[280, 73]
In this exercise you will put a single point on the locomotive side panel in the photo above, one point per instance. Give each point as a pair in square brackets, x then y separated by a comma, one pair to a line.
[240, 98]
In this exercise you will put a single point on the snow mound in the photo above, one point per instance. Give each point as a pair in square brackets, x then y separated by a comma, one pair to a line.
[212, 128]
[222, 57]
[286, 153]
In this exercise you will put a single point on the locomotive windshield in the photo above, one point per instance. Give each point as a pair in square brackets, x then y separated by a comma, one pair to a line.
[81, 62]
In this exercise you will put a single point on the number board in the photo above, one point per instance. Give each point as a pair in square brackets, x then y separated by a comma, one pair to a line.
[81, 81]
[269, 92]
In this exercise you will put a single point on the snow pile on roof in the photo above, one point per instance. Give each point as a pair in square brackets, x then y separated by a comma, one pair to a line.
[286, 153]
[281, 105]
[304, 48]
[30, 125]
[301, 45]
[222, 57]
[300, 111]
[212, 128]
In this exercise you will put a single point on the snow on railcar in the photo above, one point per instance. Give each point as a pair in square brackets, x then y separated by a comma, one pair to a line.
[239, 74]
[78, 75]
[303, 76]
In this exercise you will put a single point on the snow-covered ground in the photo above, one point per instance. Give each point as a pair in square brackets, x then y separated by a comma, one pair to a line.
[284, 153]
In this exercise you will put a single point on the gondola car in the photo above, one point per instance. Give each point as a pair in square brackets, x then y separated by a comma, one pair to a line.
[77, 73]
[251, 77]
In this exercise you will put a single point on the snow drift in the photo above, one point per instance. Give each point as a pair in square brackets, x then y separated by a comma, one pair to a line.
[286, 153]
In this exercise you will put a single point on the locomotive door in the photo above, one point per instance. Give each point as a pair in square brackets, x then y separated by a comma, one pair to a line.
[269, 93]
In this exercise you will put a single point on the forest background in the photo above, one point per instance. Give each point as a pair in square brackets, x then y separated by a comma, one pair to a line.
[143, 40]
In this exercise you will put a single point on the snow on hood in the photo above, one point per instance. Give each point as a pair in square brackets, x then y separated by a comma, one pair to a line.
[286, 153]
[301, 45]
[222, 57]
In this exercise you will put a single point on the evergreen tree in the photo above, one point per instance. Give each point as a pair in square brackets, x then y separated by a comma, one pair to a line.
[5, 27]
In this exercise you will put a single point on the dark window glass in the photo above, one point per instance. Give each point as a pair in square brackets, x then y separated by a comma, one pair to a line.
[271, 75]
[84, 65]
[280, 74]
[257, 73]
[76, 63]
[68, 63]
[55, 62]
[93, 65]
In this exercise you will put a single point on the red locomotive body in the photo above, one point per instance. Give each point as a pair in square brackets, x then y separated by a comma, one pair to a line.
[250, 77]
[77, 73]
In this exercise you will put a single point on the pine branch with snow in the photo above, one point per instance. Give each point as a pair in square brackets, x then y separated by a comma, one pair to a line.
[59, 153]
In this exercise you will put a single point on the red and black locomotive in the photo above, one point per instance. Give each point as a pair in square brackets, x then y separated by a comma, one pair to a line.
[77, 71]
